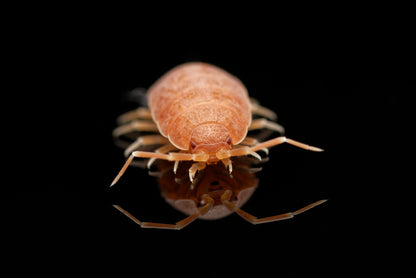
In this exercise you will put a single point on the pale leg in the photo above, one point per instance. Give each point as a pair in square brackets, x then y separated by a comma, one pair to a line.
[145, 141]
[225, 198]
[267, 144]
[172, 156]
[195, 168]
[163, 149]
[159, 152]
[283, 139]
[136, 114]
[249, 141]
[136, 125]
[263, 123]
[257, 109]
[179, 225]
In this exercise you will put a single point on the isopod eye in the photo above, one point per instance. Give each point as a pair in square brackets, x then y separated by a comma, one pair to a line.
[229, 140]
[193, 145]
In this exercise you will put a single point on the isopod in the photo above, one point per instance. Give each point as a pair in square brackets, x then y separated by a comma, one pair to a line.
[201, 115]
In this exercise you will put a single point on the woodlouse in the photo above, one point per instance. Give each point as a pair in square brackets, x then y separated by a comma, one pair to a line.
[202, 115]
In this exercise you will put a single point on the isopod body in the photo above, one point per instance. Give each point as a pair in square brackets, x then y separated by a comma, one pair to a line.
[199, 106]
[201, 115]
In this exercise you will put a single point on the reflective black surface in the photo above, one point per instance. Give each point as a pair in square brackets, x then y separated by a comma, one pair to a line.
[58, 207]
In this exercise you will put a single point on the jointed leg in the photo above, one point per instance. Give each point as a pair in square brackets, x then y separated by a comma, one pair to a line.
[266, 144]
[195, 168]
[159, 153]
[257, 109]
[254, 220]
[283, 139]
[163, 149]
[144, 141]
[172, 156]
[136, 125]
[249, 141]
[228, 164]
[139, 113]
[203, 157]
[263, 123]
[179, 225]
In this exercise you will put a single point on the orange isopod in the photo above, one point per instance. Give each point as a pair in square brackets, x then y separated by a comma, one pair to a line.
[201, 114]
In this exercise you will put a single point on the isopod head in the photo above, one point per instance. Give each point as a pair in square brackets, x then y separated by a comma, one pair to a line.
[210, 138]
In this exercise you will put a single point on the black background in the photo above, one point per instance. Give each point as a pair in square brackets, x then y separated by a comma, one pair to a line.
[338, 90]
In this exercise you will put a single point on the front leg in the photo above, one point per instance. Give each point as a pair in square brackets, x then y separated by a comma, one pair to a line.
[172, 156]
[246, 150]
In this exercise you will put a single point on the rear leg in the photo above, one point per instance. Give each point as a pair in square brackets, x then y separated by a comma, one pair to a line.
[249, 141]
[136, 114]
[257, 109]
[264, 123]
[135, 125]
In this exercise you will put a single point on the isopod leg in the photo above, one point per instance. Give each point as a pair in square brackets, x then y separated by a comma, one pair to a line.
[172, 156]
[136, 125]
[283, 139]
[179, 225]
[263, 123]
[122, 170]
[160, 153]
[257, 109]
[145, 141]
[249, 141]
[225, 198]
[195, 168]
[139, 113]
[228, 164]
[266, 144]
[163, 149]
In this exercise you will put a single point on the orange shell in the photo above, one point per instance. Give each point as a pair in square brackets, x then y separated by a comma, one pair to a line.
[196, 93]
